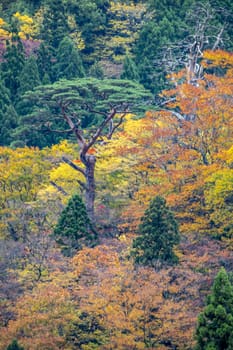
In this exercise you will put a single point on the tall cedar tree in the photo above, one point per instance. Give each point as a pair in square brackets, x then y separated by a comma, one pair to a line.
[129, 70]
[29, 77]
[12, 65]
[54, 29]
[55, 26]
[158, 234]
[68, 61]
[44, 63]
[74, 229]
[8, 116]
[215, 323]
[91, 18]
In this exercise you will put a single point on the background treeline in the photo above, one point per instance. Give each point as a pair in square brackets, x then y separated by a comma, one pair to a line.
[144, 41]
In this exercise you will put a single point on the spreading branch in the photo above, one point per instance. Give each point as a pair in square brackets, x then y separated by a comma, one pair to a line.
[59, 188]
[74, 166]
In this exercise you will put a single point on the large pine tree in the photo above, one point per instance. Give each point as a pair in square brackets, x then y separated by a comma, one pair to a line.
[215, 324]
[158, 233]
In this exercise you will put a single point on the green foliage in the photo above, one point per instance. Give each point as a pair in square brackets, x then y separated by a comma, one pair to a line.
[8, 116]
[14, 346]
[12, 65]
[44, 63]
[87, 333]
[125, 20]
[158, 233]
[130, 71]
[96, 71]
[154, 37]
[215, 323]
[86, 99]
[74, 230]
[68, 61]
[90, 17]
[29, 77]
[55, 26]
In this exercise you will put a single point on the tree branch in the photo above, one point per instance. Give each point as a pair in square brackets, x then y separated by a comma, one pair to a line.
[82, 184]
[59, 188]
[113, 128]
[98, 132]
[176, 114]
[73, 127]
[74, 166]
[218, 39]
[55, 130]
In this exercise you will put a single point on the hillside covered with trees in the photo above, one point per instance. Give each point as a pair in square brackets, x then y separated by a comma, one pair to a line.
[116, 175]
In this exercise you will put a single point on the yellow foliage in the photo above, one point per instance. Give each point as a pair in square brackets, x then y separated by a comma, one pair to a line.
[27, 28]
[3, 32]
[76, 34]
[23, 18]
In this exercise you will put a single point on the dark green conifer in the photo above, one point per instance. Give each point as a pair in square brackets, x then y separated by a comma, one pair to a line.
[8, 116]
[29, 77]
[96, 71]
[55, 26]
[215, 324]
[74, 229]
[44, 63]
[129, 70]
[12, 65]
[14, 346]
[68, 61]
[158, 233]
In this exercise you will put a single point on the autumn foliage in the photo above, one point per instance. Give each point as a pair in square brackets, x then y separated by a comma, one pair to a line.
[99, 298]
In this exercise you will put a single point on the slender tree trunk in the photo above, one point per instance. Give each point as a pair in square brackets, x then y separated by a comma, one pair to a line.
[89, 162]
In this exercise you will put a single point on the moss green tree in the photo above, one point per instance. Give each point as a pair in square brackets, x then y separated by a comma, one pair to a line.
[158, 234]
[215, 324]
[74, 230]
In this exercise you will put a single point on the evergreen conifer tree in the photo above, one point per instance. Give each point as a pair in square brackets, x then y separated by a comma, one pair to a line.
[8, 116]
[68, 61]
[14, 346]
[55, 26]
[12, 65]
[96, 71]
[29, 77]
[54, 29]
[158, 233]
[215, 324]
[44, 63]
[129, 70]
[74, 229]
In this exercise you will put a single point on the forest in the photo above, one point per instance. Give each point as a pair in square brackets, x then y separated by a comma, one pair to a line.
[116, 174]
